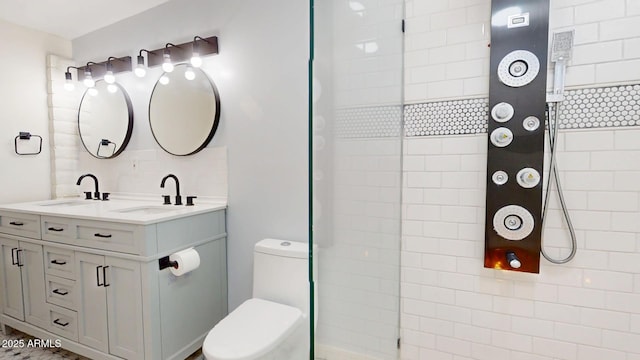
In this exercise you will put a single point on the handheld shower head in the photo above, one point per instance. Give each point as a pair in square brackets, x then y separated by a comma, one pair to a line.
[562, 46]
[561, 51]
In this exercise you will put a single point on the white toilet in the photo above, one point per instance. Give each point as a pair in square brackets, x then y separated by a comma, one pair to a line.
[274, 324]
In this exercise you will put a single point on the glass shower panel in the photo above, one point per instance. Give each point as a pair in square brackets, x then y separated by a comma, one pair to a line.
[357, 160]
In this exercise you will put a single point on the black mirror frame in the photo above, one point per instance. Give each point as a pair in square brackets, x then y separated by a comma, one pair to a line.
[127, 137]
[216, 119]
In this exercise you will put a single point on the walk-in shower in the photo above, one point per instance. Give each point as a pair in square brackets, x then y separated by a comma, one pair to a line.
[356, 136]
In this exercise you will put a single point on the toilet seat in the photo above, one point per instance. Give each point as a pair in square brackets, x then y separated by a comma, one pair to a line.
[252, 330]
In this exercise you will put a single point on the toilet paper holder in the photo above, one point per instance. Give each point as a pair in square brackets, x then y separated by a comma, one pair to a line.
[164, 263]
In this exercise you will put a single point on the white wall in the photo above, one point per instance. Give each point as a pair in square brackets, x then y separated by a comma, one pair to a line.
[261, 74]
[23, 107]
[452, 307]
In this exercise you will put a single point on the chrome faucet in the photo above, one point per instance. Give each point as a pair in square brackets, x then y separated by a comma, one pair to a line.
[166, 197]
[96, 194]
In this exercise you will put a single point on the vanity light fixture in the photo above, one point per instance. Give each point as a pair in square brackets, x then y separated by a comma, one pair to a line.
[104, 70]
[112, 88]
[88, 76]
[196, 60]
[141, 70]
[167, 65]
[68, 83]
[175, 53]
[109, 78]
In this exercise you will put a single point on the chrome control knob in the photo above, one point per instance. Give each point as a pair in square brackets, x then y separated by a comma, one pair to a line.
[501, 137]
[502, 112]
[528, 178]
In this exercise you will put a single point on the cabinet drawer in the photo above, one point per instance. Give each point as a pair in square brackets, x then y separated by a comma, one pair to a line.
[63, 322]
[14, 223]
[57, 229]
[59, 262]
[110, 236]
[127, 238]
[61, 292]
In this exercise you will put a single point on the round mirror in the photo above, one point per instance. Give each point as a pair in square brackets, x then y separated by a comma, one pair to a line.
[184, 110]
[105, 120]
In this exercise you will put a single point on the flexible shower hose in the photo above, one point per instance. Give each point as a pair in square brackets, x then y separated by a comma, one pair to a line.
[553, 174]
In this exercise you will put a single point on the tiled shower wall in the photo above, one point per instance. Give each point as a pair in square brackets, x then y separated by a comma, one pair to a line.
[447, 53]
[453, 308]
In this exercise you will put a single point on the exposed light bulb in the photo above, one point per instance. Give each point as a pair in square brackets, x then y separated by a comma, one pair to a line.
[167, 66]
[112, 88]
[140, 70]
[68, 84]
[164, 80]
[189, 74]
[88, 79]
[196, 60]
[109, 78]
[92, 91]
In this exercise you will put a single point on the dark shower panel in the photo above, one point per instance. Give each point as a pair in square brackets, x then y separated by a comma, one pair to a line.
[517, 101]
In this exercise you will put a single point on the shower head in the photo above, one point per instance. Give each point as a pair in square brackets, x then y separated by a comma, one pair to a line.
[561, 50]
[562, 46]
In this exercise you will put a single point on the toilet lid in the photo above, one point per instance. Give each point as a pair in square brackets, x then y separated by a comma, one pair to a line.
[251, 330]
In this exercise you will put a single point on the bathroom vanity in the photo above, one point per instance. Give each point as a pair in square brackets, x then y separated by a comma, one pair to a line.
[87, 273]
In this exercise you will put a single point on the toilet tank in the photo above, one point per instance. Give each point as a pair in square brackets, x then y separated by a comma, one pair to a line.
[281, 272]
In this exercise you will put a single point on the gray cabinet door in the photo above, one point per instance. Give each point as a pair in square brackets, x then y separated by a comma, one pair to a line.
[11, 280]
[92, 301]
[124, 301]
[36, 311]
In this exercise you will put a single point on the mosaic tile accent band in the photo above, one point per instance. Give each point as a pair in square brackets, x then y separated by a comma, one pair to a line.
[369, 122]
[446, 117]
[601, 107]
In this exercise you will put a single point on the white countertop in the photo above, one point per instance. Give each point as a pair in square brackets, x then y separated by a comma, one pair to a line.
[117, 209]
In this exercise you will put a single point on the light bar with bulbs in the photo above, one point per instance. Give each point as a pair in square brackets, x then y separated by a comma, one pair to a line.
[174, 53]
[104, 70]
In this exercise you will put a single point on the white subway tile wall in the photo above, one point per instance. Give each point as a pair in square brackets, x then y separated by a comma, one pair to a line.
[359, 258]
[582, 310]
[63, 120]
[452, 307]
[447, 53]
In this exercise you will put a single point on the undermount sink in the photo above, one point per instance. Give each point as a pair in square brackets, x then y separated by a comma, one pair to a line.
[67, 203]
[146, 210]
